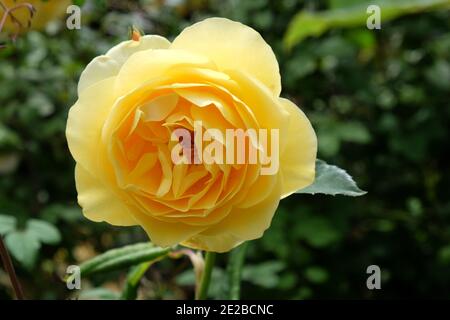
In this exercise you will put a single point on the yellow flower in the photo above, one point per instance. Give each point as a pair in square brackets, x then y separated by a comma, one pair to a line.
[217, 74]
[45, 11]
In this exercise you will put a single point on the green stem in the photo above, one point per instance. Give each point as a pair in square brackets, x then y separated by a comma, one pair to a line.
[202, 290]
[235, 265]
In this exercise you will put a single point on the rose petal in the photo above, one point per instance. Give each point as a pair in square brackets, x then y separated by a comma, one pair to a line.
[160, 107]
[85, 122]
[165, 234]
[240, 225]
[259, 191]
[102, 67]
[108, 65]
[148, 65]
[125, 49]
[298, 161]
[99, 203]
[220, 242]
[232, 45]
[266, 109]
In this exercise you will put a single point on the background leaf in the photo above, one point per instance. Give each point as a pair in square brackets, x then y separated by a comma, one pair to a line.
[79, 2]
[44, 231]
[316, 231]
[308, 23]
[264, 275]
[316, 274]
[98, 294]
[218, 287]
[7, 224]
[24, 246]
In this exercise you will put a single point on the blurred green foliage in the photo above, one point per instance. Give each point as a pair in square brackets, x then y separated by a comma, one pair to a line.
[349, 13]
[379, 101]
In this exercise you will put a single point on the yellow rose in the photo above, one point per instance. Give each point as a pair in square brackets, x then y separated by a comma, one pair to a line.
[45, 11]
[132, 100]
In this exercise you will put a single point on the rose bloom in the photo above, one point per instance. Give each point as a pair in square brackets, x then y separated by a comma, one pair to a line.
[45, 11]
[131, 100]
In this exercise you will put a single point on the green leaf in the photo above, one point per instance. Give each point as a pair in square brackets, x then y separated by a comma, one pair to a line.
[134, 277]
[24, 246]
[332, 180]
[187, 278]
[439, 74]
[353, 132]
[317, 231]
[264, 275]
[7, 224]
[218, 288]
[44, 231]
[342, 3]
[306, 23]
[8, 138]
[98, 294]
[79, 3]
[123, 257]
[316, 274]
[56, 211]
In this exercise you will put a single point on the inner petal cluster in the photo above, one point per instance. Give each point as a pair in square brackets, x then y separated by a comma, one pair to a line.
[165, 159]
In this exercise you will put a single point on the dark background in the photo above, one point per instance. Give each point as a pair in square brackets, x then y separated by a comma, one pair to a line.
[378, 100]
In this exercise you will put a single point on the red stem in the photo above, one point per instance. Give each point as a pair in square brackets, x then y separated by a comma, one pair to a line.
[9, 11]
[9, 267]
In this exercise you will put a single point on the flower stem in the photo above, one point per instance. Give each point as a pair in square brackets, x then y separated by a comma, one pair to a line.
[7, 263]
[202, 290]
[235, 266]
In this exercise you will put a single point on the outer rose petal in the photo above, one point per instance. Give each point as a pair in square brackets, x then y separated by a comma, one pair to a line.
[220, 242]
[98, 202]
[101, 68]
[240, 225]
[298, 161]
[265, 107]
[232, 45]
[165, 234]
[108, 65]
[125, 49]
[85, 122]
